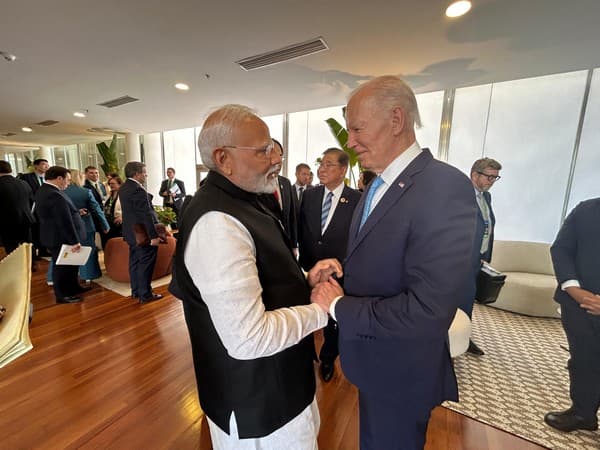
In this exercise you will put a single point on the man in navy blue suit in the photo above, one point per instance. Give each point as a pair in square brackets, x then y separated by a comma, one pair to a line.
[576, 260]
[323, 233]
[484, 173]
[139, 213]
[406, 270]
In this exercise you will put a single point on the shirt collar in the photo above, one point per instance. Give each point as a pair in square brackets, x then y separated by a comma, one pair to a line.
[337, 192]
[397, 166]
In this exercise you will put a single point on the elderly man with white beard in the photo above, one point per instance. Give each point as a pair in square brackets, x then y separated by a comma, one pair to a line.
[245, 298]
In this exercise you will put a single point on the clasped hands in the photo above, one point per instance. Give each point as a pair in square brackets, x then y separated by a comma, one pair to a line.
[325, 288]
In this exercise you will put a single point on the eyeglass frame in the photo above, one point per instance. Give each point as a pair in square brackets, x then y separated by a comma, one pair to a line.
[328, 165]
[265, 152]
[489, 177]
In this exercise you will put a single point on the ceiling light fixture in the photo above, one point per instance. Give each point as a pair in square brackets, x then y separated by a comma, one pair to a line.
[81, 113]
[8, 56]
[459, 8]
[182, 87]
[27, 129]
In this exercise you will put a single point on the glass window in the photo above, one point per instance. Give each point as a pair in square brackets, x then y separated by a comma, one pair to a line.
[531, 132]
[430, 110]
[585, 180]
[180, 153]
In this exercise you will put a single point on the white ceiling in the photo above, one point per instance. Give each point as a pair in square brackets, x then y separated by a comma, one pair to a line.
[74, 54]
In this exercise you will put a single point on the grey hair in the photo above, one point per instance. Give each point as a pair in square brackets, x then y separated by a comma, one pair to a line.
[389, 92]
[218, 128]
[481, 164]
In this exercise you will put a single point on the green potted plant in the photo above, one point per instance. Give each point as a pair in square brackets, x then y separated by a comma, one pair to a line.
[165, 215]
[109, 155]
[341, 135]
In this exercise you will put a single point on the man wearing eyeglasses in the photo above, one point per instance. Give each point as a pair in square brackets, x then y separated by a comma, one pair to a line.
[484, 173]
[325, 216]
[245, 298]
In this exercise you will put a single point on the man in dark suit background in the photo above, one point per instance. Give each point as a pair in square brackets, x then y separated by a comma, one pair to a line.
[576, 259]
[60, 223]
[283, 203]
[35, 179]
[301, 184]
[484, 173]
[138, 211]
[92, 182]
[15, 203]
[407, 266]
[172, 196]
[325, 216]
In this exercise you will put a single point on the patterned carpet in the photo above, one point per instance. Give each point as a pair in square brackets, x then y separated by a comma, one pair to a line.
[520, 378]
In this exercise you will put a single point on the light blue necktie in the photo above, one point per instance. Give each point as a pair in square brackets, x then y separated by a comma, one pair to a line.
[372, 189]
[325, 210]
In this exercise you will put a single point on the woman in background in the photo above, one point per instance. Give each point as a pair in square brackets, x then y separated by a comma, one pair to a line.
[89, 209]
[112, 210]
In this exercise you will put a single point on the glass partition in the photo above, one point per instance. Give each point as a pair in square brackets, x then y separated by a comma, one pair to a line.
[179, 148]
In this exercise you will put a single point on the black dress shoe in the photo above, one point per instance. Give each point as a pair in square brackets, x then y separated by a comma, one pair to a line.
[152, 298]
[70, 299]
[327, 370]
[569, 421]
[81, 289]
[474, 350]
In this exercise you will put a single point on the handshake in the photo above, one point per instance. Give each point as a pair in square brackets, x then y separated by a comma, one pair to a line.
[322, 280]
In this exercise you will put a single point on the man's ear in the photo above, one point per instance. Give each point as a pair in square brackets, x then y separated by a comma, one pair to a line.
[222, 159]
[398, 120]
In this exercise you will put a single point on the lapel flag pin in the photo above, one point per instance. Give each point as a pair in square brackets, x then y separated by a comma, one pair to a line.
[343, 200]
[401, 184]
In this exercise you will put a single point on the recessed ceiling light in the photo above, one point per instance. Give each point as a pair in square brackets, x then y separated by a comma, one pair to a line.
[81, 113]
[182, 87]
[27, 129]
[8, 56]
[459, 8]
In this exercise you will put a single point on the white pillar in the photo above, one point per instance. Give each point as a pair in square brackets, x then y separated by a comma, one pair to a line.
[132, 147]
[45, 153]
[153, 159]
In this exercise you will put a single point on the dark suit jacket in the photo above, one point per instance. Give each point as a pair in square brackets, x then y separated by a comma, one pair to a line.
[404, 276]
[313, 246]
[95, 193]
[15, 207]
[576, 250]
[60, 222]
[136, 209]
[487, 256]
[32, 179]
[287, 215]
[178, 200]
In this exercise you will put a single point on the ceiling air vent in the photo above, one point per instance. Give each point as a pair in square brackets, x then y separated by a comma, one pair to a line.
[283, 54]
[118, 101]
[9, 134]
[47, 123]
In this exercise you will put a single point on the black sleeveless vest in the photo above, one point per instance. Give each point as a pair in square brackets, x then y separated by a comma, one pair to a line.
[265, 393]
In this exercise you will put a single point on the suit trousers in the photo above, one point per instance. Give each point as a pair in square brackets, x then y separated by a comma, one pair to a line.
[142, 260]
[330, 349]
[390, 424]
[65, 278]
[467, 304]
[583, 334]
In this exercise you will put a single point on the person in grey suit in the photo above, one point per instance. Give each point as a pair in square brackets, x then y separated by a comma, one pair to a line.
[325, 216]
[576, 259]
[406, 270]
[16, 217]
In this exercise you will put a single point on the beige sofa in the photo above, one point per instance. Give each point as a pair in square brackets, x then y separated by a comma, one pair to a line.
[530, 281]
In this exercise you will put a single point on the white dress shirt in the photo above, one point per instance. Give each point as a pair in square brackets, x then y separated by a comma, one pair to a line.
[221, 258]
[390, 173]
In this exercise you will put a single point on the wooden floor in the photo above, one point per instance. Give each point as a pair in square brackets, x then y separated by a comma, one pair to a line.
[110, 373]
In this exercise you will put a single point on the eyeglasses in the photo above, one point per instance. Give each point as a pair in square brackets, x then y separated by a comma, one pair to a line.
[490, 177]
[263, 152]
[328, 165]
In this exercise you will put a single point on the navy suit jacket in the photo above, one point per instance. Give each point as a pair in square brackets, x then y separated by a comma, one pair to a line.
[487, 256]
[404, 276]
[32, 179]
[95, 193]
[313, 246]
[59, 219]
[15, 205]
[576, 249]
[136, 209]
